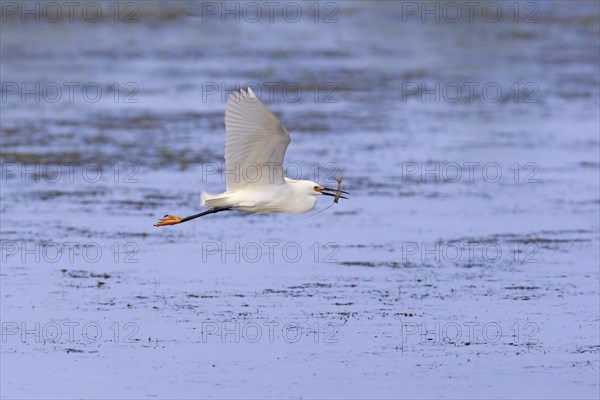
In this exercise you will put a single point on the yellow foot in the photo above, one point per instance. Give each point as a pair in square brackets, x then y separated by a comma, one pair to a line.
[168, 220]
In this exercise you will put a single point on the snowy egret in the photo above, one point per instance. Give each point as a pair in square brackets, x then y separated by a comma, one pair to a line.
[256, 140]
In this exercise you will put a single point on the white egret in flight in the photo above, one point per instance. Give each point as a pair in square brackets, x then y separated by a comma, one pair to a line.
[256, 138]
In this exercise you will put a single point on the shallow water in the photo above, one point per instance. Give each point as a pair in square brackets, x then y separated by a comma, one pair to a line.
[464, 265]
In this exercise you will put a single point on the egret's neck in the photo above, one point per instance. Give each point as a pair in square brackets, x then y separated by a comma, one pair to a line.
[301, 200]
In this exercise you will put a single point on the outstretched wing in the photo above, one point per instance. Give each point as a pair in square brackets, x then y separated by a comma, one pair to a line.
[255, 144]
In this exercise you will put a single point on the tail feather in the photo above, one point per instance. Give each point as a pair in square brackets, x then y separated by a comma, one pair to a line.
[214, 200]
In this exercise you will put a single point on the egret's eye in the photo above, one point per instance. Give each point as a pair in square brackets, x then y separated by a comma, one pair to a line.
[316, 188]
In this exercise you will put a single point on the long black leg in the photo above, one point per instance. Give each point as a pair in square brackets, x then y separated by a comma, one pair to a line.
[203, 213]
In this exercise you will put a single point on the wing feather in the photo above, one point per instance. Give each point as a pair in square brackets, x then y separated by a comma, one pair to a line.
[255, 143]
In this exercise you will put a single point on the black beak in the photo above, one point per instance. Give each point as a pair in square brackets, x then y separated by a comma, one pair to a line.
[334, 192]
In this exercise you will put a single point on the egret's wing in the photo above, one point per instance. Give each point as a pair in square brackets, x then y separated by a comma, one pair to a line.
[255, 144]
